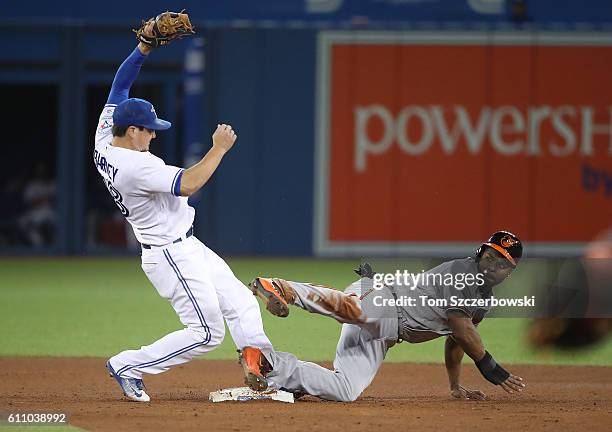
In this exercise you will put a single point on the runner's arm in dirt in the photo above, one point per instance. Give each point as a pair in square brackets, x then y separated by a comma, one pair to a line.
[453, 354]
[467, 338]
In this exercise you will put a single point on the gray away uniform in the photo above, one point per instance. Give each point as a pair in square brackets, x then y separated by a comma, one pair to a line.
[368, 331]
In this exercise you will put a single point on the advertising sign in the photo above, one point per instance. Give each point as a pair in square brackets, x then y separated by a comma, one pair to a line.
[428, 142]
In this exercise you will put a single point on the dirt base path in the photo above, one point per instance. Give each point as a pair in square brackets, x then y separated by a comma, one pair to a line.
[402, 397]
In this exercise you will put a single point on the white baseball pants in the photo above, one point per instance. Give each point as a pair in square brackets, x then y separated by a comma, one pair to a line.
[203, 291]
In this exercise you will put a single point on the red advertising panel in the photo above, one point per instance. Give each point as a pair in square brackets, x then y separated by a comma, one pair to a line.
[429, 142]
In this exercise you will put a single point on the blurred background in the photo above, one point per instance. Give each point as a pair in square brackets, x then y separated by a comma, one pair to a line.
[366, 127]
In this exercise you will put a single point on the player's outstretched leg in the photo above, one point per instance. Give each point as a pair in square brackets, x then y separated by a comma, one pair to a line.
[359, 355]
[277, 294]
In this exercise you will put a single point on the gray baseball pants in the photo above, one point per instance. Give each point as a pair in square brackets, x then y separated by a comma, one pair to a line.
[363, 344]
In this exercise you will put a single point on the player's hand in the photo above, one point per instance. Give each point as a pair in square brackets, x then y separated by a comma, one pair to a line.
[148, 31]
[224, 137]
[461, 392]
[513, 384]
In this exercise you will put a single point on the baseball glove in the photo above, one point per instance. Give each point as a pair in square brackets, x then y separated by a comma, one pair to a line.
[167, 26]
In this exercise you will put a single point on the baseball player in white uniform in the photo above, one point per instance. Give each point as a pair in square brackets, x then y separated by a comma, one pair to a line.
[153, 198]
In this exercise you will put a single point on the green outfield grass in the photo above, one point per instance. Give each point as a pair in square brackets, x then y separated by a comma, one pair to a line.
[96, 307]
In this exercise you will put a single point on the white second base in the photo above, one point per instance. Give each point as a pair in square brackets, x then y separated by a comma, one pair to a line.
[246, 394]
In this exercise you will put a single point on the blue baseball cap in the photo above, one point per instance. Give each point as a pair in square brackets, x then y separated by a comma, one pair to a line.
[138, 112]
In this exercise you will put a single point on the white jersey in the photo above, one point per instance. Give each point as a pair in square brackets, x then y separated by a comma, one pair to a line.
[144, 188]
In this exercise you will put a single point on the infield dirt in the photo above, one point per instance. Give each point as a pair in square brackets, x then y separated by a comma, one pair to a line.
[402, 397]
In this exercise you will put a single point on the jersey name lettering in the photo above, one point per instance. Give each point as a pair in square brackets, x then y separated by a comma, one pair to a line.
[104, 166]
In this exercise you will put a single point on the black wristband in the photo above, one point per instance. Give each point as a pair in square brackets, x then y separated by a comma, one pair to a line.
[489, 369]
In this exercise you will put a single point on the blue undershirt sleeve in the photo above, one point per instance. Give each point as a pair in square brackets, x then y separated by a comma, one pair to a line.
[125, 77]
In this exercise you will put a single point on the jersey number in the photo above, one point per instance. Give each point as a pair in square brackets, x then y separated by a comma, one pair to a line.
[117, 197]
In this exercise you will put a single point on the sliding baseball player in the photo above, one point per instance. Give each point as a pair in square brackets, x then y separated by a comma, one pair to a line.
[374, 320]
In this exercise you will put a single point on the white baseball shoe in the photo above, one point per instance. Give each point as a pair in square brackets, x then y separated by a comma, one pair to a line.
[133, 388]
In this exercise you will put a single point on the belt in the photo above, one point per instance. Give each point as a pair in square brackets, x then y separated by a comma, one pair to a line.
[400, 315]
[188, 234]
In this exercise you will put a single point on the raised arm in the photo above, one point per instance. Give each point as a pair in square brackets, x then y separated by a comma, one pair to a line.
[192, 179]
[161, 30]
[127, 73]
[467, 337]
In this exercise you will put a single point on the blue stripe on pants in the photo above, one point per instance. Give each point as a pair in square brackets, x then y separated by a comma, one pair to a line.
[163, 359]
[187, 290]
